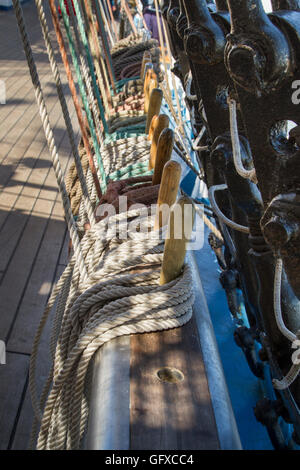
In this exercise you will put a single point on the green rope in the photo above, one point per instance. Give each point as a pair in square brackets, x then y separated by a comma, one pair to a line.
[106, 45]
[136, 169]
[121, 83]
[83, 95]
[90, 62]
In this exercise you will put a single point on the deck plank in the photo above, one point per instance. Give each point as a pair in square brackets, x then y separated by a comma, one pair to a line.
[13, 377]
[20, 438]
[38, 288]
[166, 415]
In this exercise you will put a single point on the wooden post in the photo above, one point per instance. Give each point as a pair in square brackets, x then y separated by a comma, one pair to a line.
[154, 106]
[148, 66]
[146, 59]
[175, 248]
[151, 86]
[164, 151]
[152, 127]
[160, 124]
[167, 192]
[147, 77]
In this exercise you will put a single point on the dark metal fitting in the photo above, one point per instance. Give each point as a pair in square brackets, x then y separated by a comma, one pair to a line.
[229, 279]
[263, 354]
[182, 22]
[280, 223]
[257, 55]
[204, 39]
[245, 63]
[219, 155]
[279, 230]
[266, 412]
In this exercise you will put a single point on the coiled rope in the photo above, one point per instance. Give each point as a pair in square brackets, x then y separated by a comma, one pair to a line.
[121, 296]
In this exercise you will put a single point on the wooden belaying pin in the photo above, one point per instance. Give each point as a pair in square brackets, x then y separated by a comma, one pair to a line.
[148, 74]
[168, 191]
[163, 154]
[180, 229]
[151, 86]
[146, 59]
[161, 123]
[154, 106]
[152, 127]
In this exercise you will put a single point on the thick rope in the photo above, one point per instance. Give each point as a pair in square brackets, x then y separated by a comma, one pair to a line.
[72, 87]
[88, 56]
[86, 76]
[50, 138]
[219, 213]
[236, 151]
[81, 86]
[96, 51]
[97, 6]
[121, 296]
[294, 371]
[61, 96]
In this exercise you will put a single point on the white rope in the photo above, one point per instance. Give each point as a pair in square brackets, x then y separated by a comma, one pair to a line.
[122, 296]
[241, 170]
[188, 88]
[219, 214]
[49, 137]
[209, 224]
[293, 373]
[85, 192]
[197, 147]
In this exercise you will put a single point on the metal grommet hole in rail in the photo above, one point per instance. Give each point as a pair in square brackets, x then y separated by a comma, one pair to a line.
[170, 375]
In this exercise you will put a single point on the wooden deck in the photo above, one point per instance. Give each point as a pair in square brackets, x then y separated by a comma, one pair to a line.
[33, 236]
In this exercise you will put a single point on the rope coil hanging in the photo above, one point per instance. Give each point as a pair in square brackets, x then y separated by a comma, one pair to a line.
[294, 371]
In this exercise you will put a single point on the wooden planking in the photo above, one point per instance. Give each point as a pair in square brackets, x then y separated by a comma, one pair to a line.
[18, 271]
[20, 438]
[13, 378]
[39, 287]
[64, 256]
[170, 415]
[42, 184]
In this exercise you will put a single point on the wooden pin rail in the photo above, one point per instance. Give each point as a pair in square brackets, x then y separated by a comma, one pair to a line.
[159, 124]
[154, 106]
[167, 192]
[163, 154]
